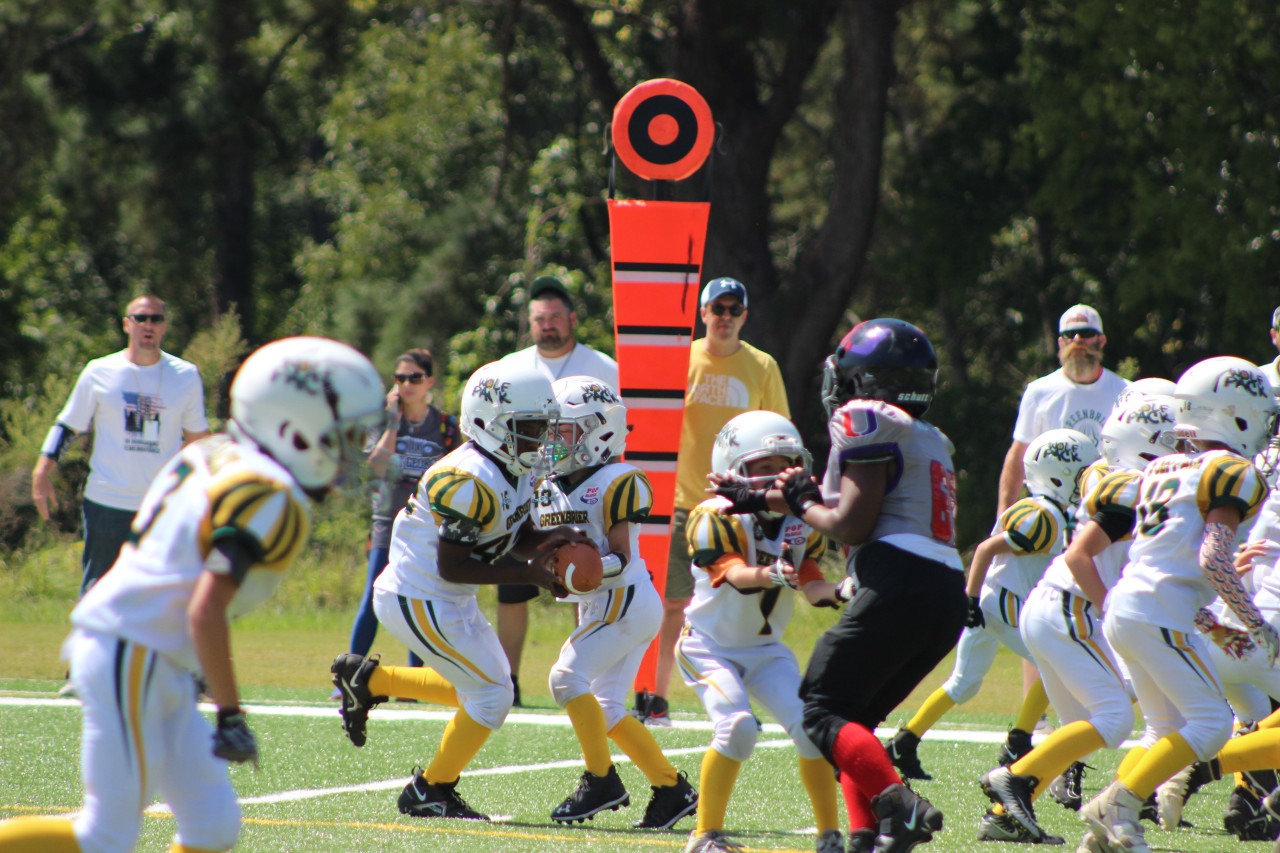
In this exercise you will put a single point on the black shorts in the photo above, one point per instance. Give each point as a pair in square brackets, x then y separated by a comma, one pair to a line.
[517, 593]
[905, 617]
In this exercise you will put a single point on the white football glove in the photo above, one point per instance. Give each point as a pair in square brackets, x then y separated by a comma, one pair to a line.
[1267, 641]
[846, 589]
[783, 573]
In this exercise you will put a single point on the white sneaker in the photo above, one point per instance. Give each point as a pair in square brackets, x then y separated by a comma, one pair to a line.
[1171, 797]
[1113, 817]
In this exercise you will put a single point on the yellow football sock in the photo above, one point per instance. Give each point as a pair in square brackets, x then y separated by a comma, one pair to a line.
[819, 779]
[1130, 760]
[417, 682]
[1169, 755]
[462, 739]
[1056, 752]
[38, 835]
[638, 743]
[1270, 721]
[588, 723]
[930, 712]
[1033, 707]
[1259, 750]
[719, 772]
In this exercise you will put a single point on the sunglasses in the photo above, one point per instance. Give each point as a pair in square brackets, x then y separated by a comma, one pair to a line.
[719, 309]
[146, 318]
[1080, 334]
[415, 378]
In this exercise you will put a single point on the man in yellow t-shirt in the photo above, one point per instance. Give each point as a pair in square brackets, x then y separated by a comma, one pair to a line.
[726, 378]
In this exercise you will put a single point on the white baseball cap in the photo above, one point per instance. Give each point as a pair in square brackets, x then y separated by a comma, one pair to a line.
[1080, 317]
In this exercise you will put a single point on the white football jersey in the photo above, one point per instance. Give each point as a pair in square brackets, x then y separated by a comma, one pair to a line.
[612, 494]
[1162, 583]
[919, 509]
[1032, 527]
[1264, 579]
[215, 489]
[1114, 491]
[731, 617]
[467, 498]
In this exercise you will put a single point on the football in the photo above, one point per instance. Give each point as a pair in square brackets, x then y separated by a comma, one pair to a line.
[578, 566]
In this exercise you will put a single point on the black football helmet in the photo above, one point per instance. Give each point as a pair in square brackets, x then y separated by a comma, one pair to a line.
[885, 359]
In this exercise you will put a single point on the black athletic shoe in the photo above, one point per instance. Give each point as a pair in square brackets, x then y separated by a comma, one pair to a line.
[1246, 818]
[902, 752]
[594, 795]
[515, 686]
[668, 804]
[861, 841]
[657, 715]
[641, 709]
[351, 676]
[1016, 744]
[1013, 793]
[1068, 788]
[1002, 827]
[421, 799]
[906, 819]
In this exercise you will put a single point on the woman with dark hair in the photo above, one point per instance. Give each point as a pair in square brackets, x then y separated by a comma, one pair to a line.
[416, 435]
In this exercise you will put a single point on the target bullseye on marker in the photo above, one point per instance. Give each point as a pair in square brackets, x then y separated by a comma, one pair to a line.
[662, 130]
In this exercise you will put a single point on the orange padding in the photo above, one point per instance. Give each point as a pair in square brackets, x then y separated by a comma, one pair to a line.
[721, 567]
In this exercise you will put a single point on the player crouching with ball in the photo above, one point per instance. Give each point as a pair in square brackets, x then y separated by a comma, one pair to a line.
[889, 489]
[468, 524]
[749, 563]
[216, 531]
[617, 619]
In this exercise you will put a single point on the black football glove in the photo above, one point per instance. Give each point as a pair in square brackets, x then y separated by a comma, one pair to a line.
[742, 498]
[974, 618]
[800, 492]
[232, 740]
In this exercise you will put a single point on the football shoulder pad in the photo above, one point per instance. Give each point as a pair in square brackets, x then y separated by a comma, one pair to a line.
[1030, 527]
[712, 535]
[868, 430]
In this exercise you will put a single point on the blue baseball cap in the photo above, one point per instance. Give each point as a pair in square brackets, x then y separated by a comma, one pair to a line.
[723, 287]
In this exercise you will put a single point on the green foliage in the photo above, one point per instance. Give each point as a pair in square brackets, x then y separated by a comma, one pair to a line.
[217, 351]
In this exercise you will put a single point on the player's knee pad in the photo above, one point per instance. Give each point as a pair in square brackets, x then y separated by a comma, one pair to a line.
[566, 685]
[1207, 734]
[118, 834]
[961, 687]
[1113, 721]
[614, 710]
[735, 736]
[489, 706]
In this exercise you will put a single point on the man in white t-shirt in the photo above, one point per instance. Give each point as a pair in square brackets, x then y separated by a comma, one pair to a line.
[556, 354]
[1271, 369]
[1077, 396]
[143, 405]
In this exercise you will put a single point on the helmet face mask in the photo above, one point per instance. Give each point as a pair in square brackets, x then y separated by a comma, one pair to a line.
[884, 359]
[1226, 400]
[1139, 429]
[599, 420]
[309, 403]
[509, 411]
[757, 435]
[1053, 463]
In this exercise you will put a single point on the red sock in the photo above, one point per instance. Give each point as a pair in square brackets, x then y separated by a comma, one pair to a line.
[858, 804]
[859, 755]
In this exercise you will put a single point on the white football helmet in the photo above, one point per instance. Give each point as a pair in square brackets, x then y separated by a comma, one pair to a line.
[1226, 399]
[308, 403]
[599, 418]
[1139, 430]
[509, 410]
[1148, 386]
[755, 435]
[1053, 462]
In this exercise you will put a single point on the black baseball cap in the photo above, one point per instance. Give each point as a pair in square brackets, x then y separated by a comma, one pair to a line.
[545, 286]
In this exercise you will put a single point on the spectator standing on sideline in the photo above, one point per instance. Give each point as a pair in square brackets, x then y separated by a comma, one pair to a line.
[727, 377]
[417, 434]
[1271, 369]
[1079, 395]
[555, 354]
[143, 406]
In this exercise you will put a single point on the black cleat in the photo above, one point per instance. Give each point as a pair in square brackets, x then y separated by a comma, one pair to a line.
[421, 799]
[594, 795]
[657, 713]
[1016, 744]
[861, 841]
[641, 709]
[1013, 793]
[902, 752]
[668, 804]
[1247, 818]
[1068, 788]
[1002, 827]
[906, 819]
[351, 676]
